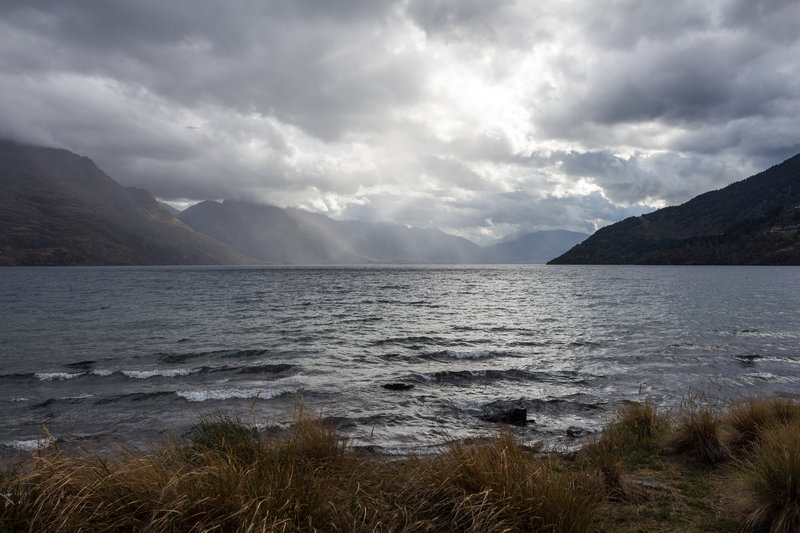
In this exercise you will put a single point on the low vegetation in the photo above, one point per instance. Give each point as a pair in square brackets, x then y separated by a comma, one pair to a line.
[703, 467]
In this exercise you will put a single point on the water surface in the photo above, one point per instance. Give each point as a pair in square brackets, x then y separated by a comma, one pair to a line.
[138, 353]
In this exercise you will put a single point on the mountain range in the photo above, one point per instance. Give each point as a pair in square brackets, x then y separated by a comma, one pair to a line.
[59, 208]
[753, 221]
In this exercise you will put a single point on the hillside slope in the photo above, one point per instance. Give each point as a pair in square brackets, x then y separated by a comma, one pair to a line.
[534, 248]
[59, 208]
[275, 235]
[752, 221]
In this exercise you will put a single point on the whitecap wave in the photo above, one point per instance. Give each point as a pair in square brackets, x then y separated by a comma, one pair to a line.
[102, 373]
[231, 394]
[158, 372]
[29, 445]
[471, 354]
[57, 376]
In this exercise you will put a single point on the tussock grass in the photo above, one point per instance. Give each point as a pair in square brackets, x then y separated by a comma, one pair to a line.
[638, 428]
[751, 416]
[635, 432]
[698, 431]
[225, 476]
[773, 474]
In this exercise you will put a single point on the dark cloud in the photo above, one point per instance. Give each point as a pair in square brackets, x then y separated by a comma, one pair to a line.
[482, 118]
[461, 18]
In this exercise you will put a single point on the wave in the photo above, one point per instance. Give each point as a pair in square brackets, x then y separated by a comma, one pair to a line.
[460, 376]
[276, 368]
[571, 377]
[551, 405]
[57, 376]
[81, 365]
[26, 445]
[134, 397]
[467, 354]
[64, 400]
[159, 372]
[172, 358]
[231, 394]
[528, 344]
[413, 340]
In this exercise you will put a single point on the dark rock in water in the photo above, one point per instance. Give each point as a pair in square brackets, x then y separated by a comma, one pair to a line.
[574, 432]
[516, 416]
[397, 386]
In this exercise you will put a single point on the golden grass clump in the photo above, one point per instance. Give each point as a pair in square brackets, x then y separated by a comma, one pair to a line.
[639, 427]
[224, 476]
[531, 492]
[635, 432]
[697, 430]
[749, 417]
[773, 474]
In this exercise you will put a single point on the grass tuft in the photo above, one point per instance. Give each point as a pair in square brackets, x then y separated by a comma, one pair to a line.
[640, 426]
[773, 474]
[749, 417]
[698, 431]
[225, 476]
[222, 433]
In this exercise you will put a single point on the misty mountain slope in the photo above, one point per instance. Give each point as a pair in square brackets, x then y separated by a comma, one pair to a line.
[59, 208]
[385, 242]
[266, 233]
[41, 227]
[395, 243]
[534, 248]
[292, 236]
[748, 222]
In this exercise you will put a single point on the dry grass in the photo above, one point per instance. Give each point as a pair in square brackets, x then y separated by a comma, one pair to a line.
[638, 428]
[697, 430]
[224, 476]
[773, 474]
[750, 416]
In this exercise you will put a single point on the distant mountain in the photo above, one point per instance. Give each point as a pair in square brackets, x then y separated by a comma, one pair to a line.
[58, 208]
[753, 221]
[171, 210]
[275, 235]
[538, 247]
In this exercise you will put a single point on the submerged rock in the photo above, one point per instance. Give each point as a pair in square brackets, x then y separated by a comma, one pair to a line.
[397, 386]
[516, 416]
[576, 432]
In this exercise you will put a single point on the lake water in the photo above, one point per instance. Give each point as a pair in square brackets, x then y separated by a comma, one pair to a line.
[141, 353]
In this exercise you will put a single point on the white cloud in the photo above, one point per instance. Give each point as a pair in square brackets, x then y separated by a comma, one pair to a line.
[482, 118]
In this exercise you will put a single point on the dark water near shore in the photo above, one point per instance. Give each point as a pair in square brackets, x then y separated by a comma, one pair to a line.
[137, 353]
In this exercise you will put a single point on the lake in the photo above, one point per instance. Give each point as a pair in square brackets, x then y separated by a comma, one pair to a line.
[139, 353]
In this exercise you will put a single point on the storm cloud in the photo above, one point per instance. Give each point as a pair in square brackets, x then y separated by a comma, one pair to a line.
[480, 118]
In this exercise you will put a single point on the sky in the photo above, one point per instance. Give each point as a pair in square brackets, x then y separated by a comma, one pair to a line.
[485, 119]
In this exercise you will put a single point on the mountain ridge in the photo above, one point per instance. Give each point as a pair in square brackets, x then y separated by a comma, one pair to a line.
[732, 225]
[276, 235]
[59, 208]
